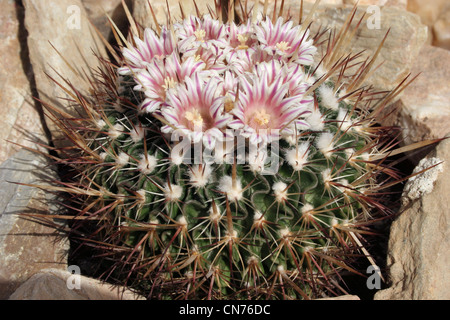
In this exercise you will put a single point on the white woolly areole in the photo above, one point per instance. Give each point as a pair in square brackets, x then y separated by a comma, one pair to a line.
[334, 222]
[349, 152]
[103, 155]
[298, 157]
[285, 232]
[344, 183]
[176, 158]
[326, 175]
[182, 220]
[100, 124]
[325, 144]
[315, 120]
[214, 215]
[328, 96]
[257, 216]
[115, 131]
[423, 183]
[141, 195]
[172, 193]
[280, 190]
[252, 260]
[231, 236]
[154, 223]
[234, 193]
[307, 208]
[199, 176]
[137, 134]
[147, 164]
[122, 159]
[280, 269]
[365, 156]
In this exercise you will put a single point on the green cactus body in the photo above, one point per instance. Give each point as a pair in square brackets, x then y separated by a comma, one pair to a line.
[222, 227]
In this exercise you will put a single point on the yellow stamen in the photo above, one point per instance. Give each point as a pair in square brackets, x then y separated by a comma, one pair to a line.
[194, 117]
[169, 83]
[243, 40]
[283, 46]
[261, 117]
[200, 35]
[229, 104]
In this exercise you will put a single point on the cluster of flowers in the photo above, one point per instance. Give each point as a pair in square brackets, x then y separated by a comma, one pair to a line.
[203, 77]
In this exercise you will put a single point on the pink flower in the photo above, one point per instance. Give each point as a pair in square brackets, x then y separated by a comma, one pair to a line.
[286, 41]
[161, 76]
[241, 37]
[213, 57]
[265, 110]
[197, 111]
[195, 32]
[243, 61]
[137, 58]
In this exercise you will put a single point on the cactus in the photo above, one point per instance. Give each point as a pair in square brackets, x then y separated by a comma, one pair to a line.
[278, 216]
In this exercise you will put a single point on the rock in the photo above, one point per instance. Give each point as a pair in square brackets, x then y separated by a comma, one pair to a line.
[20, 121]
[425, 104]
[441, 30]
[429, 12]
[143, 16]
[402, 4]
[26, 246]
[63, 25]
[346, 297]
[99, 10]
[406, 37]
[419, 243]
[55, 284]
[423, 183]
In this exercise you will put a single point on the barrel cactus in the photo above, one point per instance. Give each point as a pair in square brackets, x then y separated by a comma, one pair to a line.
[226, 160]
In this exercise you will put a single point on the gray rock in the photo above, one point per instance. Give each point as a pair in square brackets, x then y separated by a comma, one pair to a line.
[419, 243]
[26, 247]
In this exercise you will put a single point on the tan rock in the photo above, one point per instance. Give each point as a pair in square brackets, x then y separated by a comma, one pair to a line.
[19, 121]
[393, 3]
[346, 297]
[54, 284]
[429, 12]
[425, 103]
[99, 10]
[143, 16]
[26, 247]
[419, 243]
[63, 25]
[406, 37]
[441, 31]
